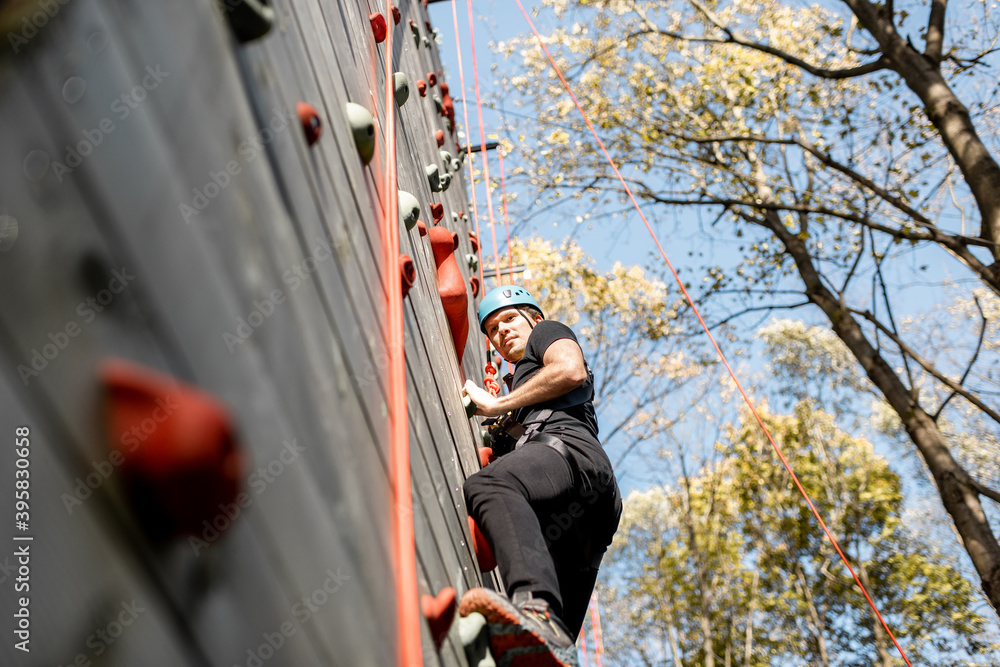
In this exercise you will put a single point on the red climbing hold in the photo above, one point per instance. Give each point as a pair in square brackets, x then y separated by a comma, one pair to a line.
[421, 227]
[486, 456]
[407, 273]
[422, 87]
[439, 138]
[439, 612]
[444, 90]
[451, 286]
[379, 27]
[484, 555]
[187, 464]
[437, 210]
[311, 125]
[473, 239]
[474, 282]
[432, 79]
[396, 16]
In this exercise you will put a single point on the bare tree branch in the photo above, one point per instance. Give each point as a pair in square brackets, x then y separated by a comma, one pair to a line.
[731, 38]
[972, 361]
[854, 267]
[935, 30]
[927, 366]
[984, 490]
[790, 306]
[892, 320]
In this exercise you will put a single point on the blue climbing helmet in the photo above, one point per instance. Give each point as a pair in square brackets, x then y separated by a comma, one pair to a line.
[502, 297]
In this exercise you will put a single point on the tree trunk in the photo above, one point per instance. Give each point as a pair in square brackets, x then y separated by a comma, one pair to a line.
[703, 592]
[881, 640]
[953, 482]
[672, 634]
[748, 644]
[814, 618]
[949, 116]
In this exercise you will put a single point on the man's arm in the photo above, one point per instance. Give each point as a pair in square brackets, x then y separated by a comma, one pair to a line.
[562, 371]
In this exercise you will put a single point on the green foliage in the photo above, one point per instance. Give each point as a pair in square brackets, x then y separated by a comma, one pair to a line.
[735, 544]
[804, 135]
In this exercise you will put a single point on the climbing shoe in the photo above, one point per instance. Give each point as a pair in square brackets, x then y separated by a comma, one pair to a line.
[521, 635]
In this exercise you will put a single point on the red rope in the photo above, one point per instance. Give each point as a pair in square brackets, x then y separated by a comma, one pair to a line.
[468, 160]
[595, 625]
[468, 146]
[739, 386]
[482, 147]
[404, 543]
[506, 219]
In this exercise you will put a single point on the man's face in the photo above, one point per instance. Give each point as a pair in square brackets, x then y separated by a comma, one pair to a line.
[508, 330]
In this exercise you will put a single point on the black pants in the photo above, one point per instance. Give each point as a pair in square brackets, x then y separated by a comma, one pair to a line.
[549, 513]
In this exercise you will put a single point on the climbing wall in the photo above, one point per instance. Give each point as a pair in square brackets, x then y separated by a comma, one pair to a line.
[161, 204]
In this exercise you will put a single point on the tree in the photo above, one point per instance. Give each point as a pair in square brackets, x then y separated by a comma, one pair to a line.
[726, 567]
[845, 164]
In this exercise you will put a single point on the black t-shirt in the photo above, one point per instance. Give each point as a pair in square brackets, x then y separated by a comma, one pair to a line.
[573, 413]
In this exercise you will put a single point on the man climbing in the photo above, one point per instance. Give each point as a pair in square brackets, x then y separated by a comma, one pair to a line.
[550, 507]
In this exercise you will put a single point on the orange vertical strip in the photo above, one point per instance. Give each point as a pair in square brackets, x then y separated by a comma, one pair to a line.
[506, 219]
[482, 146]
[595, 624]
[468, 159]
[468, 146]
[408, 607]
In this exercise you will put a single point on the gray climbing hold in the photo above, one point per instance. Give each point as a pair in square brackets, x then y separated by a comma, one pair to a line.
[409, 209]
[433, 177]
[445, 182]
[473, 262]
[446, 160]
[475, 636]
[456, 164]
[426, 42]
[454, 216]
[249, 19]
[363, 128]
[470, 409]
[400, 88]
[438, 103]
